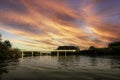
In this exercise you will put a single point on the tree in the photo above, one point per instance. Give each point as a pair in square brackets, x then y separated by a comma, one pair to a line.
[92, 48]
[69, 48]
[0, 43]
[0, 38]
[6, 50]
[7, 44]
[114, 44]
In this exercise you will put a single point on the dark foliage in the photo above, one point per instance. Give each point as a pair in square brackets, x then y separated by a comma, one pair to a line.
[7, 44]
[6, 50]
[69, 48]
[114, 44]
[92, 48]
[112, 49]
[77, 50]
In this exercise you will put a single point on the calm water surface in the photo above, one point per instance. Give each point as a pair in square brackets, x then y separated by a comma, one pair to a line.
[61, 68]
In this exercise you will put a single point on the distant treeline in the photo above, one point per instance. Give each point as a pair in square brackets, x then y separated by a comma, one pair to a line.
[112, 49]
[6, 50]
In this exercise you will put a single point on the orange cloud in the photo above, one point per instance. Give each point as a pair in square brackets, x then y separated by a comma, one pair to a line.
[51, 23]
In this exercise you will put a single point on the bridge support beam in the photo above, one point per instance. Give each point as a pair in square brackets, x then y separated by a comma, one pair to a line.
[32, 53]
[40, 53]
[65, 53]
[22, 54]
[57, 53]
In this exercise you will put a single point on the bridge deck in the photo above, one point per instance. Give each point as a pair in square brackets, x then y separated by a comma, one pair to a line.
[51, 51]
[46, 52]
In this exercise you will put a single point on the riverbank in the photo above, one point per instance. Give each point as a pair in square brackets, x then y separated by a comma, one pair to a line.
[9, 54]
[101, 51]
[6, 50]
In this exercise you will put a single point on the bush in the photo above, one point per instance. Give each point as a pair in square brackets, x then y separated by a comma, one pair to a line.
[6, 50]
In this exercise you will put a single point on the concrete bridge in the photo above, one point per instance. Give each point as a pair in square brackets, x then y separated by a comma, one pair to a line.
[46, 52]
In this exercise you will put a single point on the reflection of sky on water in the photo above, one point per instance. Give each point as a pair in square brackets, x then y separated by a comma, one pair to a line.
[71, 62]
[68, 68]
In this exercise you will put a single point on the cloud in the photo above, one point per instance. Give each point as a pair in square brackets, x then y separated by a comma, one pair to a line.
[53, 23]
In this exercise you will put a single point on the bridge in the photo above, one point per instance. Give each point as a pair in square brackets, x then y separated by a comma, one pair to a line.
[46, 52]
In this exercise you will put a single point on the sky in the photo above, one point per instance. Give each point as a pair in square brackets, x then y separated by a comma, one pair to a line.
[47, 24]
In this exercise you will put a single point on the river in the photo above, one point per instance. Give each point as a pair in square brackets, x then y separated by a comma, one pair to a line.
[61, 68]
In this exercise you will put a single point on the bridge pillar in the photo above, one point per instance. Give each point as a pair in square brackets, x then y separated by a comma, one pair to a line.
[65, 53]
[40, 54]
[22, 55]
[57, 53]
[32, 53]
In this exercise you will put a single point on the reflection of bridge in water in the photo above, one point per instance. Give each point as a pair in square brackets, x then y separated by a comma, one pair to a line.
[46, 52]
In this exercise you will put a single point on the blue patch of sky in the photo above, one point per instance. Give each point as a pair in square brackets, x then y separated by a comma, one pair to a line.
[75, 4]
[114, 20]
[86, 28]
[11, 37]
[7, 35]
[24, 27]
[109, 10]
[106, 5]
[16, 5]
[81, 24]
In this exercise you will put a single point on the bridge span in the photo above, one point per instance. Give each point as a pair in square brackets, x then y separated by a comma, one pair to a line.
[46, 52]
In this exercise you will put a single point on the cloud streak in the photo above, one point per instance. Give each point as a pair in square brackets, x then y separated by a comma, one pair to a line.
[51, 23]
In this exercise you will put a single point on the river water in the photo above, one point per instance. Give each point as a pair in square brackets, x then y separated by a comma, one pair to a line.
[61, 68]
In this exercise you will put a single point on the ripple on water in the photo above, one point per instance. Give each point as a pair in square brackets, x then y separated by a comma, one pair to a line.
[65, 68]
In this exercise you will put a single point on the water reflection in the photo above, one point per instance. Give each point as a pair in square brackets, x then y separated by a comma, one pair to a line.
[2, 69]
[115, 63]
[73, 61]
[62, 67]
[6, 65]
[66, 61]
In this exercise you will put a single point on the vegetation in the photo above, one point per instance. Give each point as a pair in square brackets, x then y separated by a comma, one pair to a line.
[112, 49]
[67, 48]
[6, 50]
[114, 44]
[92, 48]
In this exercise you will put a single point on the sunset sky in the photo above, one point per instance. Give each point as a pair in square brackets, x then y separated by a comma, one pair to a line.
[46, 24]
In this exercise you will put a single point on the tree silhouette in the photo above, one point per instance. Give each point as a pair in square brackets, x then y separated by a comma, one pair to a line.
[114, 44]
[69, 48]
[92, 48]
[7, 44]
[0, 38]
[6, 50]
